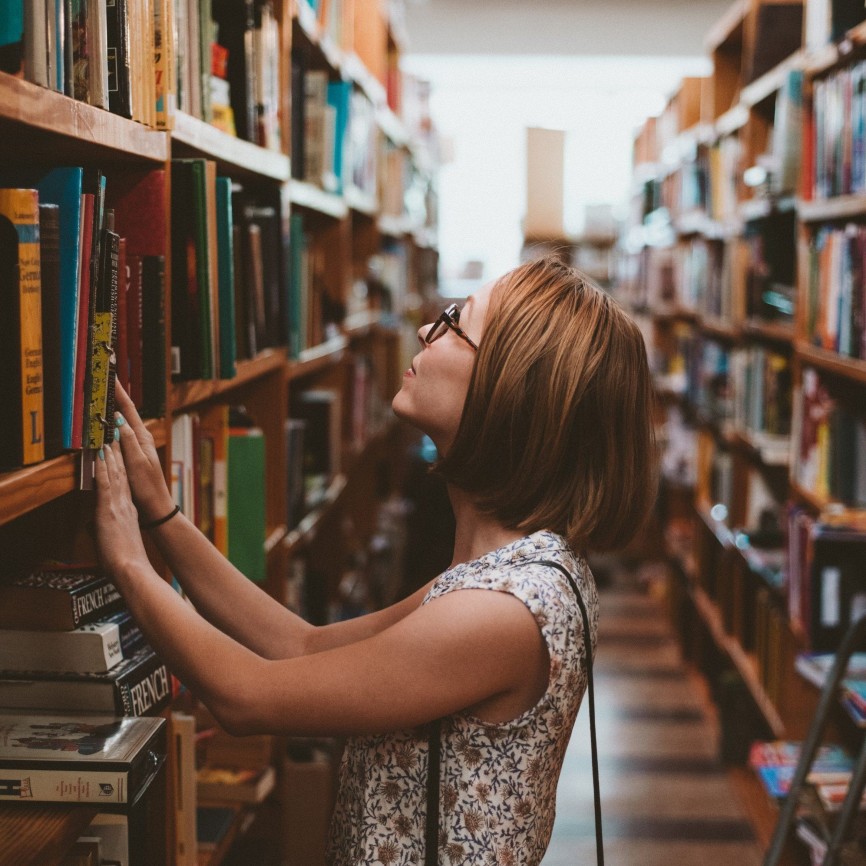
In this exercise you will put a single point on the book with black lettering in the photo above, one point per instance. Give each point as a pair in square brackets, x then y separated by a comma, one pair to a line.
[57, 599]
[105, 760]
[137, 686]
[95, 646]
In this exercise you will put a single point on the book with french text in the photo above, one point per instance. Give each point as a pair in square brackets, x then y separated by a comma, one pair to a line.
[57, 599]
[78, 759]
[138, 686]
[21, 431]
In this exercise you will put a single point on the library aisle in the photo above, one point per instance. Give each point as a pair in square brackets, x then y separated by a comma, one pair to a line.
[666, 798]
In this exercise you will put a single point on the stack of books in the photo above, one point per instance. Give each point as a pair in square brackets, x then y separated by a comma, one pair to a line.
[68, 643]
[776, 762]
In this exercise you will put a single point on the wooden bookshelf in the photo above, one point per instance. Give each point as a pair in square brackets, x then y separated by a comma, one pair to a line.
[40, 835]
[309, 197]
[849, 368]
[194, 137]
[838, 208]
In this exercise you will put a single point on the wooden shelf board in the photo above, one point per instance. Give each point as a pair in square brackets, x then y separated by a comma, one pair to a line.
[725, 27]
[317, 358]
[360, 202]
[23, 490]
[769, 331]
[744, 663]
[355, 69]
[298, 538]
[310, 197]
[827, 57]
[393, 226]
[719, 328]
[63, 120]
[360, 324]
[733, 119]
[849, 368]
[187, 394]
[41, 834]
[230, 152]
[392, 126]
[837, 208]
[762, 811]
[771, 81]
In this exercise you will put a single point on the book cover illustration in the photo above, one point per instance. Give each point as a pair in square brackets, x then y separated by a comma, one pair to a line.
[92, 759]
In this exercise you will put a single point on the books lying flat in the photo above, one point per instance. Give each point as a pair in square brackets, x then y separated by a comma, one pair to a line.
[776, 762]
[57, 600]
[96, 646]
[235, 785]
[87, 759]
[137, 686]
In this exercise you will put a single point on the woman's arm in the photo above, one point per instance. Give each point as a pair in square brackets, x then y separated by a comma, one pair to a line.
[221, 593]
[457, 651]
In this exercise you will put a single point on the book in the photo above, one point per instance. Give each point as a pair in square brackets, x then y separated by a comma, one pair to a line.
[234, 784]
[776, 762]
[212, 824]
[137, 686]
[96, 646]
[62, 186]
[226, 279]
[117, 57]
[21, 433]
[57, 600]
[82, 315]
[87, 759]
[152, 335]
[182, 751]
[49, 269]
[246, 501]
[12, 37]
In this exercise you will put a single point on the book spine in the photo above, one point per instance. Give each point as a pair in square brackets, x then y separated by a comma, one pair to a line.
[90, 603]
[49, 251]
[226, 279]
[118, 58]
[63, 786]
[23, 440]
[153, 335]
[145, 689]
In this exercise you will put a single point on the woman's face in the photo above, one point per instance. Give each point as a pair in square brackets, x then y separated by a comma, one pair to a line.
[435, 386]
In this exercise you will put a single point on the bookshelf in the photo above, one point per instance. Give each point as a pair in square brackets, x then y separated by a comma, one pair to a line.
[361, 260]
[733, 301]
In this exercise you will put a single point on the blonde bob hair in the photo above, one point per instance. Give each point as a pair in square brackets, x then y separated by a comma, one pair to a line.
[556, 431]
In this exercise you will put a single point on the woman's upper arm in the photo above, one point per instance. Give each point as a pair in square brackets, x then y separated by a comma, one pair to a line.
[445, 656]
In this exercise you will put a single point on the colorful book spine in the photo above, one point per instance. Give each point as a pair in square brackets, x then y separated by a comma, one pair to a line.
[22, 438]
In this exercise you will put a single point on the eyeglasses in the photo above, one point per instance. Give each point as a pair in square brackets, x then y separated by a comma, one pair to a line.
[449, 319]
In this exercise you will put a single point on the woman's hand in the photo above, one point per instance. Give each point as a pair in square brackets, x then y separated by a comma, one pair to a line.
[118, 537]
[141, 460]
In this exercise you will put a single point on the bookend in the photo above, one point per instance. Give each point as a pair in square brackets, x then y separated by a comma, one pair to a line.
[853, 639]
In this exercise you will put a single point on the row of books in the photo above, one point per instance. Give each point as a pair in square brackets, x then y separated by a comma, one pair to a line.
[815, 667]
[90, 293]
[111, 55]
[839, 130]
[826, 585]
[829, 443]
[775, 763]
[836, 295]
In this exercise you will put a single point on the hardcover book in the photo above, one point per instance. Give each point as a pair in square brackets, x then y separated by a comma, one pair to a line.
[49, 250]
[86, 759]
[21, 433]
[137, 686]
[57, 600]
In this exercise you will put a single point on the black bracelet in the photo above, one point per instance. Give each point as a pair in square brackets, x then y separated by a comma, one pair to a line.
[153, 523]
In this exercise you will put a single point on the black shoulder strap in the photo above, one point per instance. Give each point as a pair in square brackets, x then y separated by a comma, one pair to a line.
[431, 836]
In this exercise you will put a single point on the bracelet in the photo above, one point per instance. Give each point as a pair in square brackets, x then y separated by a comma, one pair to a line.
[154, 523]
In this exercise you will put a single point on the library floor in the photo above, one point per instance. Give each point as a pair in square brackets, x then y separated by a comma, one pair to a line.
[666, 799]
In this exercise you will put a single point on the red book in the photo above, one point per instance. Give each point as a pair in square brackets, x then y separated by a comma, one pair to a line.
[121, 350]
[81, 331]
[140, 211]
[133, 328]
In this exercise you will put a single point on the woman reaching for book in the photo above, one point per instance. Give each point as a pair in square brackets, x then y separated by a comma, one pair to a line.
[538, 396]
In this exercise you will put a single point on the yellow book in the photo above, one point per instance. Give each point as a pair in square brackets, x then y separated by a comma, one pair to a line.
[22, 442]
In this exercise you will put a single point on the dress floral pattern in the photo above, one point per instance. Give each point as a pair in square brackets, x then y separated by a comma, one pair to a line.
[498, 781]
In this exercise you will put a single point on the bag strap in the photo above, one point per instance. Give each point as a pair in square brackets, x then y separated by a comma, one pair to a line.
[431, 836]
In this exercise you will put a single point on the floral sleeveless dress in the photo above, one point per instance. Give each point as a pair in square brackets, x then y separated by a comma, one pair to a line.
[498, 781]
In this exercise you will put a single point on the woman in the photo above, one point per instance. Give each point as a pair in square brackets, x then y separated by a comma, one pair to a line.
[537, 394]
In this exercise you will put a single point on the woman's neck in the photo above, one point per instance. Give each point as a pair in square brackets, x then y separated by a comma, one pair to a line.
[476, 533]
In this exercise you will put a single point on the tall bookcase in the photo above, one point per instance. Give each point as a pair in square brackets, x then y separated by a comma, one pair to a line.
[369, 261]
[739, 185]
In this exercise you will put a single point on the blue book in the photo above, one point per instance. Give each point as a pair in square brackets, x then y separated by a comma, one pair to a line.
[339, 94]
[226, 279]
[62, 186]
[11, 35]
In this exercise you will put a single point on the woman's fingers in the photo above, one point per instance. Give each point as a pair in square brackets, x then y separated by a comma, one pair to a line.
[127, 409]
[103, 482]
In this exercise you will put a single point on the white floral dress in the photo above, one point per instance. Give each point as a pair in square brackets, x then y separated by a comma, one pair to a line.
[498, 781]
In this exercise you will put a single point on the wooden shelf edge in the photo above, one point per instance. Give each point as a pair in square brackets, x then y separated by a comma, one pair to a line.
[836, 208]
[759, 89]
[46, 110]
[188, 394]
[769, 331]
[305, 195]
[722, 30]
[295, 540]
[40, 833]
[213, 143]
[711, 615]
[318, 357]
[849, 368]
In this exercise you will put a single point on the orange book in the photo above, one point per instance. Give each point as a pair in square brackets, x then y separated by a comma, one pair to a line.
[22, 437]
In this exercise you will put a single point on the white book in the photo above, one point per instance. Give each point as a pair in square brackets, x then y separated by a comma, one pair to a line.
[36, 42]
[97, 68]
[92, 647]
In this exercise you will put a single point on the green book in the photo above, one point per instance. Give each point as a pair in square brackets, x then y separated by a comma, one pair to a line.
[246, 501]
